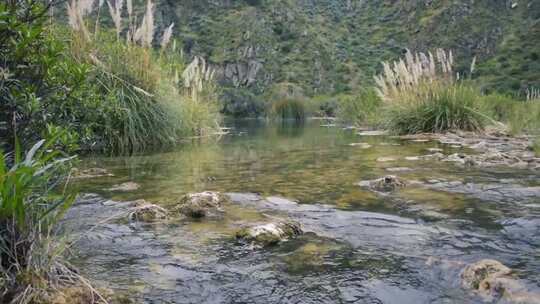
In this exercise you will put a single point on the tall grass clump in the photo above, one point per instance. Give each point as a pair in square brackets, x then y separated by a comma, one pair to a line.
[422, 93]
[519, 116]
[33, 199]
[360, 109]
[151, 97]
[287, 102]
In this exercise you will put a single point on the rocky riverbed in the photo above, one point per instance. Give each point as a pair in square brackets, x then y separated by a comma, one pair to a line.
[304, 214]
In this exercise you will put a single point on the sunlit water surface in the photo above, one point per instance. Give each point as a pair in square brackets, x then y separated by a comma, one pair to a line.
[361, 247]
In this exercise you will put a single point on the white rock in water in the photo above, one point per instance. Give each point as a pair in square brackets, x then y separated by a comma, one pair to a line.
[271, 233]
[361, 145]
[373, 133]
[385, 159]
[125, 187]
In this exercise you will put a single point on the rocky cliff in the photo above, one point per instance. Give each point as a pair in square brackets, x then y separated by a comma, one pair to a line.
[332, 46]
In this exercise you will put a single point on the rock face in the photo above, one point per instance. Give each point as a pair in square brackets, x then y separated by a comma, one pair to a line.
[202, 204]
[269, 234]
[388, 183]
[492, 280]
[147, 212]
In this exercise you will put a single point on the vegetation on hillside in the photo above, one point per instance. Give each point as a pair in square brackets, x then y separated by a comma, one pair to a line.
[334, 47]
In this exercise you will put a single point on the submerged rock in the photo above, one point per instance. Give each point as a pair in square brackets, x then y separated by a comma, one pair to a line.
[269, 234]
[361, 145]
[388, 183]
[492, 280]
[202, 204]
[90, 173]
[373, 133]
[479, 276]
[147, 212]
[125, 187]
[385, 159]
[399, 169]
[461, 158]
[427, 157]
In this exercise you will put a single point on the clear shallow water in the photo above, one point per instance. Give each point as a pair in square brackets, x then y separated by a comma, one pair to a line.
[360, 247]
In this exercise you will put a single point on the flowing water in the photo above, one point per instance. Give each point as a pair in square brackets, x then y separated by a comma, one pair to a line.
[360, 246]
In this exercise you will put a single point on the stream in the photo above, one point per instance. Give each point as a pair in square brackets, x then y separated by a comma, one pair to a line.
[360, 246]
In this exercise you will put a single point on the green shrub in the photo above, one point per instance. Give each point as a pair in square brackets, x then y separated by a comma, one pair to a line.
[519, 115]
[359, 109]
[39, 85]
[524, 117]
[286, 101]
[536, 147]
[288, 109]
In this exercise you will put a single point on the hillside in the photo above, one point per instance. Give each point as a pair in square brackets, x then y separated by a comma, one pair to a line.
[331, 46]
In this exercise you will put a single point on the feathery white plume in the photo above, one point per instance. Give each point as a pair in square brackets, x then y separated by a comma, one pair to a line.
[167, 34]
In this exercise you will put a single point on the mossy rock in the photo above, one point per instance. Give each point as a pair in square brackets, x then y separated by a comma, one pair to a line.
[203, 204]
[388, 183]
[476, 276]
[270, 234]
[147, 212]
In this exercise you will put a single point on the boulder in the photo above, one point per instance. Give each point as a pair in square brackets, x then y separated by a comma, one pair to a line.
[269, 234]
[492, 280]
[146, 212]
[388, 183]
[201, 204]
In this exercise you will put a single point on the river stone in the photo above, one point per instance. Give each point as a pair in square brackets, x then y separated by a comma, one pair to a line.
[492, 280]
[271, 233]
[201, 204]
[373, 133]
[480, 275]
[399, 169]
[385, 159]
[361, 145]
[146, 212]
[388, 183]
[125, 187]
[90, 173]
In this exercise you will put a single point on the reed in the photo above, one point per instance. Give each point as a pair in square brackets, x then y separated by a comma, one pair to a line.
[33, 198]
[149, 105]
[421, 93]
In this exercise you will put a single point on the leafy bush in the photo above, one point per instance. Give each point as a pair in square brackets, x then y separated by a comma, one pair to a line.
[286, 101]
[359, 109]
[288, 109]
[39, 85]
